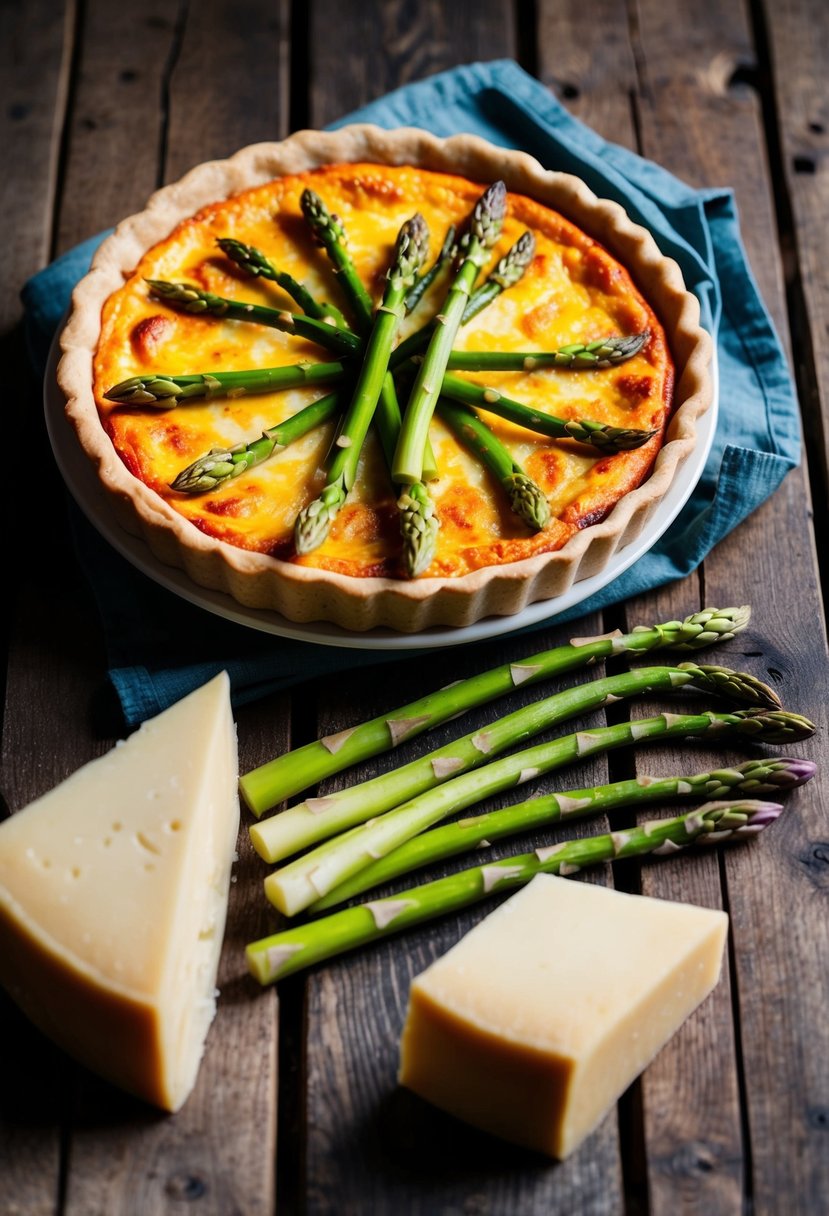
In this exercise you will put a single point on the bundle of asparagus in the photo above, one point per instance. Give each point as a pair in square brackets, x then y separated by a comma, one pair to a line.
[364, 368]
[385, 827]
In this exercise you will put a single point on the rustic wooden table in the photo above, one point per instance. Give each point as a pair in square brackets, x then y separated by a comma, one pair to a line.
[296, 1104]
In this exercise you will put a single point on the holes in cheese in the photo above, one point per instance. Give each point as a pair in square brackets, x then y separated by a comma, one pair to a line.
[113, 895]
[534, 1024]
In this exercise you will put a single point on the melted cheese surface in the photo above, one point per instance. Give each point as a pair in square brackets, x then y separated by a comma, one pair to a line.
[573, 291]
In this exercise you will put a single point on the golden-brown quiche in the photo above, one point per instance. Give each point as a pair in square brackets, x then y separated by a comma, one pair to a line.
[592, 275]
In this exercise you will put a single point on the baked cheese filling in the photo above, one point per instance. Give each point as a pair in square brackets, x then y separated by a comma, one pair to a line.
[573, 291]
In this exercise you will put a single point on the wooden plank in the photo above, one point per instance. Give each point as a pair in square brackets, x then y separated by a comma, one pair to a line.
[36, 41]
[797, 34]
[213, 111]
[117, 121]
[388, 43]
[714, 135]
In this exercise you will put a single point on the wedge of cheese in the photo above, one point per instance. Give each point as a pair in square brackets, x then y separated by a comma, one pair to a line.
[113, 894]
[535, 1023]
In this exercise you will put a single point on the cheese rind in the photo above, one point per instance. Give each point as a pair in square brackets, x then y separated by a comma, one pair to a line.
[534, 1024]
[113, 895]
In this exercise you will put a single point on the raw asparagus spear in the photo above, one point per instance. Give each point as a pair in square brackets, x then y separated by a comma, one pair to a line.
[257, 265]
[525, 497]
[485, 227]
[223, 464]
[183, 297]
[754, 779]
[166, 392]
[314, 520]
[281, 954]
[270, 783]
[604, 352]
[608, 439]
[319, 818]
[293, 887]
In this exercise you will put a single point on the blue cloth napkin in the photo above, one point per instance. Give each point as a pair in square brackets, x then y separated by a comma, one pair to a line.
[160, 647]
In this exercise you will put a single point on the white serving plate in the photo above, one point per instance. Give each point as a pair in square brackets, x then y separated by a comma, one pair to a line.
[78, 473]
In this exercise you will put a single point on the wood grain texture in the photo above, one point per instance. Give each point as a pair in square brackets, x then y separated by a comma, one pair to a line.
[797, 32]
[388, 43]
[117, 121]
[36, 42]
[770, 891]
[228, 86]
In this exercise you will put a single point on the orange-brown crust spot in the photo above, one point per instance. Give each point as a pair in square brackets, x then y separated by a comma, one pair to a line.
[538, 321]
[634, 388]
[149, 335]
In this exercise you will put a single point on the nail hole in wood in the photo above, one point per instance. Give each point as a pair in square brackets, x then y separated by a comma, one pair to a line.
[128, 76]
[186, 1186]
[804, 164]
[817, 128]
[744, 75]
[570, 92]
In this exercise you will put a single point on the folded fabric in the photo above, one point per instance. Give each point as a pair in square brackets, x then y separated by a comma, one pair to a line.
[160, 647]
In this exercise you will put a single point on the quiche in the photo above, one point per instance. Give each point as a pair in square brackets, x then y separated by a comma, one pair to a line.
[590, 275]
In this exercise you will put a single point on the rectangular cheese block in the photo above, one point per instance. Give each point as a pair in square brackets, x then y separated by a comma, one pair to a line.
[535, 1022]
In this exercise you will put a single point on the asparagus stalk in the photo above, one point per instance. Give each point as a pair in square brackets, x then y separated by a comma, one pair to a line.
[223, 464]
[166, 392]
[753, 779]
[183, 297]
[314, 520]
[608, 439]
[281, 954]
[425, 281]
[418, 522]
[485, 227]
[270, 783]
[297, 885]
[254, 262]
[319, 818]
[507, 271]
[525, 497]
[604, 352]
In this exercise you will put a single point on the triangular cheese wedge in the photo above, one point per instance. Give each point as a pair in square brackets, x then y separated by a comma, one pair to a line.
[113, 894]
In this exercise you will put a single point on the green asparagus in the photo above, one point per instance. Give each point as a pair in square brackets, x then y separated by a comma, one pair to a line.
[319, 818]
[314, 521]
[281, 954]
[754, 779]
[265, 786]
[166, 392]
[485, 226]
[525, 497]
[255, 263]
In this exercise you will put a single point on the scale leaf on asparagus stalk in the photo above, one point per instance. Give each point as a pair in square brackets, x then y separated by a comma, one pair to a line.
[315, 519]
[293, 949]
[269, 784]
[424, 791]
[754, 779]
[485, 226]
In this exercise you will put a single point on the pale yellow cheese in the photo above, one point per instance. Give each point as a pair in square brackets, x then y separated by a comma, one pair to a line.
[535, 1023]
[113, 894]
